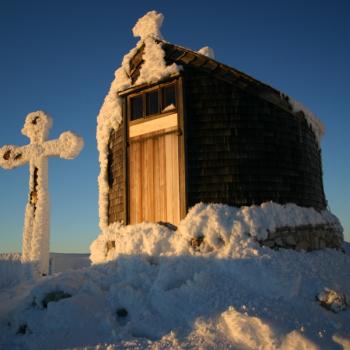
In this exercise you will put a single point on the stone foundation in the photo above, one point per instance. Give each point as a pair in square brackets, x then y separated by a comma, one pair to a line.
[306, 237]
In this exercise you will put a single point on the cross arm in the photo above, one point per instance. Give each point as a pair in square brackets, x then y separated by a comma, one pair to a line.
[67, 146]
[12, 156]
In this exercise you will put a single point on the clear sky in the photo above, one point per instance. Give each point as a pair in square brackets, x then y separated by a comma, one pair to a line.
[60, 56]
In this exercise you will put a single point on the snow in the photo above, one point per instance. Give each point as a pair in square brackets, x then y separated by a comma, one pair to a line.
[228, 232]
[311, 118]
[13, 271]
[149, 26]
[60, 262]
[172, 297]
[207, 51]
[36, 231]
[169, 108]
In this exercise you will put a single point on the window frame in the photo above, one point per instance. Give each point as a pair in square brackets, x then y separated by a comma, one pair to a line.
[159, 88]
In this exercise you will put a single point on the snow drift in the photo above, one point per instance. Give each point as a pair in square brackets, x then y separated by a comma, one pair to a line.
[161, 291]
[214, 230]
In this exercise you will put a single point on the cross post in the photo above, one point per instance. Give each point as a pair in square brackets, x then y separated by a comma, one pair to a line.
[36, 231]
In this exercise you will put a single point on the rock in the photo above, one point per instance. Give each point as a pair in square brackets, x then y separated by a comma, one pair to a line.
[196, 242]
[122, 312]
[168, 225]
[315, 243]
[302, 245]
[110, 245]
[332, 300]
[22, 329]
[269, 243]
[291, 240]
[54, 297]
[273, 234]
[279, 242]
[322, 244]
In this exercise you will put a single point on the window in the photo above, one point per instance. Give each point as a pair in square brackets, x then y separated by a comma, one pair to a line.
[159, 100]
[169, 98]
[136, 106]
[152, 102]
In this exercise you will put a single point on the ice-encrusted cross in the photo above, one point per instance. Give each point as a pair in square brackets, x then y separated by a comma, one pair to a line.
[36, 231]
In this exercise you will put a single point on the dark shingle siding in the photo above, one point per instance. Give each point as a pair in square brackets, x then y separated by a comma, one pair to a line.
[243, 150]
[116, 179]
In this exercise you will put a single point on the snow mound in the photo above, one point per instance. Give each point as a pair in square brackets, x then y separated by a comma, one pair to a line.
[184, 301]
[208, 229]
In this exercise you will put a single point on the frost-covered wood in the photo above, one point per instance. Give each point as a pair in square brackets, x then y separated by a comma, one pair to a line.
[111, 113]
[36, 232]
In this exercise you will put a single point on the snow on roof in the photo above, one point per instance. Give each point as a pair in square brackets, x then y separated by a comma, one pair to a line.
[207, 51]
[314, 122]
[149, 26]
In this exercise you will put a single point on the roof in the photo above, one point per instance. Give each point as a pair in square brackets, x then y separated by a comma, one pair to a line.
[186, 57]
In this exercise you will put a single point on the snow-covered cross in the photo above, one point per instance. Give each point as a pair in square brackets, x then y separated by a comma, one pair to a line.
[36, 232]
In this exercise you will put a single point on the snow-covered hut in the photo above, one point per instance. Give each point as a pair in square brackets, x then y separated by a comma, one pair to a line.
[178, 127]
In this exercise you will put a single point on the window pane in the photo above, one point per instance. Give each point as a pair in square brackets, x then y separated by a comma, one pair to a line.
[152, 102]
[136, 107]
[169, 98]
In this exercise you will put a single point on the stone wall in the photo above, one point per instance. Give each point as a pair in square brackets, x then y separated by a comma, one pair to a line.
[306, 237]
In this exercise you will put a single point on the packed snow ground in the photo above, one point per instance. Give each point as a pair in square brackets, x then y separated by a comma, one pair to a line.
[211, 297]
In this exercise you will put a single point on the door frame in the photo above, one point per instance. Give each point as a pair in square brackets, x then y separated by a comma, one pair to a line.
[181, 144]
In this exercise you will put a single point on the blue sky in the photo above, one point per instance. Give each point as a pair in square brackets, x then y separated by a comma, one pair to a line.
[60, 56]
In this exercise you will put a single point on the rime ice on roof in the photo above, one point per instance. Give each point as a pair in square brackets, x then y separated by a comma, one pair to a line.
[36, 232]
[149, 26]
[311, 118]
[207, 51]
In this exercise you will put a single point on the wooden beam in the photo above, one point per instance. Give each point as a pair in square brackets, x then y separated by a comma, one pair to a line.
[153, 125]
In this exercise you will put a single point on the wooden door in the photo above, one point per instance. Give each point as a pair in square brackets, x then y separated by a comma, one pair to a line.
[154, 193]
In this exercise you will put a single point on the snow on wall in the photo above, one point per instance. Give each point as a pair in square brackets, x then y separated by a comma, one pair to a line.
[110, 115]
[228, 232]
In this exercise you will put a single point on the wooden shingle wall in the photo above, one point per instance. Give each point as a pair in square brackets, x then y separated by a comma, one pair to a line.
[244, 150]
[116, 179]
